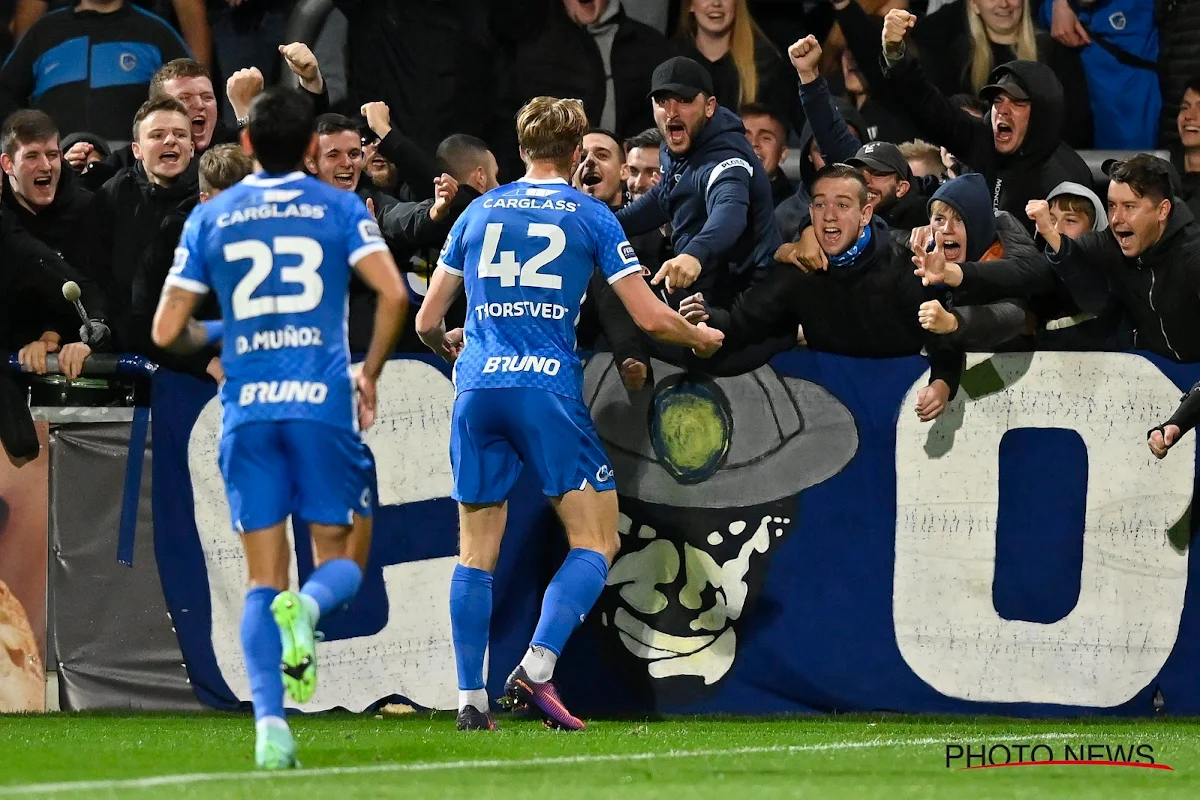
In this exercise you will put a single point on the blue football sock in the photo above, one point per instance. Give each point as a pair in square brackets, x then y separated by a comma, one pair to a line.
[569, 597]
[470, 621]
[331, 585]
[263, 651]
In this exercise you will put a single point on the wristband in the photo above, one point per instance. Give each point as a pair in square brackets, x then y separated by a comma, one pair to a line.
[214, 330]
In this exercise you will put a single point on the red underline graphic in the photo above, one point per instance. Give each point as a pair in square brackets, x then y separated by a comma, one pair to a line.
[1071, 764]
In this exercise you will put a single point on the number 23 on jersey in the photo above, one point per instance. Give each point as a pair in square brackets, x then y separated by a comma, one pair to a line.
[262, 263]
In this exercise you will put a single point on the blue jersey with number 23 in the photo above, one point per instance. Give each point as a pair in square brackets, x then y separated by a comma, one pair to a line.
[278, 251]
[526, 252]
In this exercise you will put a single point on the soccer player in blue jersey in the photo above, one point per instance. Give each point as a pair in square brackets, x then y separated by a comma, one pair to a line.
[277, 250]
[525, 252]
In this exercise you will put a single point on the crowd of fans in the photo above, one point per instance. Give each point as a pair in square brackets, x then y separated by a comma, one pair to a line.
[940, 204]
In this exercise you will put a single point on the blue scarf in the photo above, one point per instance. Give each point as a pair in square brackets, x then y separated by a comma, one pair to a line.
[847, 258]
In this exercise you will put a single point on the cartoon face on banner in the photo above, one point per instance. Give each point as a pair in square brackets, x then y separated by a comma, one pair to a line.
[707, 492]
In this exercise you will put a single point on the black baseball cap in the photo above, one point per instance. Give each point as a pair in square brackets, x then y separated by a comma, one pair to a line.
[682, 76]
[882, 157]
[1007, 84]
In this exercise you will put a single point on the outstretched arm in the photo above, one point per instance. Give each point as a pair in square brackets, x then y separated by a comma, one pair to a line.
[661, 321]
[910, 87]
[645, 214]
[834, 139]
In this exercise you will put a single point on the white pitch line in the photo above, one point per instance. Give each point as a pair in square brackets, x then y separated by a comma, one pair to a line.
[185, 778]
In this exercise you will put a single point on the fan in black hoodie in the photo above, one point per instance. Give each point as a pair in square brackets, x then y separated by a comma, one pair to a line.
[127, 216]
[1040, 161]
[59, 223]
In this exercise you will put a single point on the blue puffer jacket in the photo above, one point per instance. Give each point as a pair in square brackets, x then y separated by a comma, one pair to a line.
[717, 197]
[1125, 99]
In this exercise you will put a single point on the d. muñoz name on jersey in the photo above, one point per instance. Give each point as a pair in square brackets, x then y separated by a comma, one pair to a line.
[526, 252]
[278, 251]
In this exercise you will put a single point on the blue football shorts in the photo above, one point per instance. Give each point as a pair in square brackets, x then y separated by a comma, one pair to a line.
[318, 472]
[496, 431]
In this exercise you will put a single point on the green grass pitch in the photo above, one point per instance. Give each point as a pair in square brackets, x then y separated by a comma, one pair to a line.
[422, 756]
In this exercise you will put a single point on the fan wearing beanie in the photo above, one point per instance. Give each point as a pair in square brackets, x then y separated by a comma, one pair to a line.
[964, 232]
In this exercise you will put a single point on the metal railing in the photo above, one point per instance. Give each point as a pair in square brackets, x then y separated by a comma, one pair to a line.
[124, 364]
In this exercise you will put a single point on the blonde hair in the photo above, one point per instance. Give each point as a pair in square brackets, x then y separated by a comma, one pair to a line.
[982, 62]
[937, 207]
[921, 150]
[741, 48]
[549, 129]
[223, 166]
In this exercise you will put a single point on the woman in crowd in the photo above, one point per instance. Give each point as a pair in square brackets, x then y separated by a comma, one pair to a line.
[960, 44]
[722, 36]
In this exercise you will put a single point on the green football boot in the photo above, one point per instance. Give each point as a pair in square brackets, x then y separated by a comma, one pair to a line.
[299, 646]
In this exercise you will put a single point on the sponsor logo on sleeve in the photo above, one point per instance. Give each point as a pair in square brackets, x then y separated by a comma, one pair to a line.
[729, 163]
[369, 231]
[626, 252]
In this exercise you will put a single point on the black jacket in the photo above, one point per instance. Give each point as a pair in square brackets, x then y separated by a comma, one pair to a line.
[908, 212]
[59, 224]
[1158, 290]
[126, 217]
[31, 303]
[1026, 275]
[868, 309]
[438, 65]
[717, 198]
[781, 187]
[31, 278]
[88, 71]
[415, 168]
[561, 59]
[413, 238]
[1178, 23]
[1041, 163]
[1189, 183]
[147, 287]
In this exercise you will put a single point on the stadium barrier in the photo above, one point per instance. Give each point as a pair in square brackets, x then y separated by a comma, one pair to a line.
[793, 539]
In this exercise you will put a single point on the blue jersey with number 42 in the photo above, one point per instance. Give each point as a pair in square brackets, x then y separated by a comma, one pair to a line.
[526, 252]
[278, 253]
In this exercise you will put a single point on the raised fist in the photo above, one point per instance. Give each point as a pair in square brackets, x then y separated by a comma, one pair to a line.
[303, 63]
[896, 26]
[242, 87]
[77, 156]
[805, 55]
[1039, 212]
[379, 117]
[444, 190]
